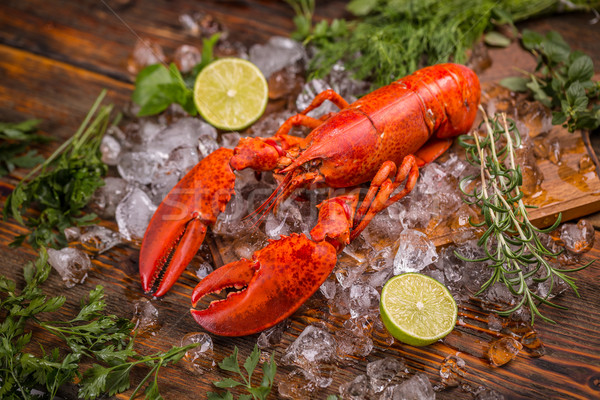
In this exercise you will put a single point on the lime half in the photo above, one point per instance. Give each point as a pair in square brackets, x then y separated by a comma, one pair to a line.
[417, 309]
[231, 93]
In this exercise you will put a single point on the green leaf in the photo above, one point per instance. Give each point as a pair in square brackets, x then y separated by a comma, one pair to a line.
[269, 371]
[151, 392]
[361, 7]
[531, 40]
[231, 363]
[515, 83]
[582, 69]
[227, 383]
[216, 396]
[332, 397]
[496, 39]
[558, 118]
[252, 361]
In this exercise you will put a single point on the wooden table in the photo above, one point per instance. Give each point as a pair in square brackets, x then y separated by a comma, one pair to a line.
[56, 56]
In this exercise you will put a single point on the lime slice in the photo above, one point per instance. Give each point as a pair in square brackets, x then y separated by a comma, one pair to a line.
[231, 93]
[417, 309]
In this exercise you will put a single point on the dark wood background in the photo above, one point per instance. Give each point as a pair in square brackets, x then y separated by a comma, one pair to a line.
[56, 57]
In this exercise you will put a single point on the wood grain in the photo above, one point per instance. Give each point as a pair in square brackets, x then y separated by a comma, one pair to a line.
[56, 57]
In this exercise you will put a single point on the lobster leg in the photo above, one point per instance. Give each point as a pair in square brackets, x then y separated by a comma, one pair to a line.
[330, 95]
[378, 196]
[301, 119]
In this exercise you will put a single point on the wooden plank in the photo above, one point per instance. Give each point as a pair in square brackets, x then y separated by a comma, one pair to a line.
[44, 74]
[59, 93]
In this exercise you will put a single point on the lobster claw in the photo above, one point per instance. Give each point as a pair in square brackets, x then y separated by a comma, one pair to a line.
[276, 282]
[179, 224]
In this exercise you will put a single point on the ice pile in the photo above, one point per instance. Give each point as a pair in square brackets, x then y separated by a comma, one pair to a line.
[418, 387]
[279, 52]
[72, 265]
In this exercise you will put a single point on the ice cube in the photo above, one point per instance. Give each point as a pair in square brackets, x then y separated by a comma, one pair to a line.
[277, 53]
[138, 167]
[99, 239]
[296, 385]
[134, 213]
[72, 265]
[350, 345]
[186, 132]
[383, 371]
[203, 270]
[531, 341]
[145, 52]
[452, 370]
[578, 238]
[416, 388]
[488, 394]
[272, 336]
[313, 346]
[105, 199]
[357, 389]
[164, 179]
[200, 358]
[145, 317]
[183, 159]
[415, 252]
[364, 299]
[110, 149]
[328, 289]
[503, 350]
[186, 57]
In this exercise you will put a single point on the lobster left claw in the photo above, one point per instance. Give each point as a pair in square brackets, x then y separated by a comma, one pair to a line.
[179, 224]
[275, 283]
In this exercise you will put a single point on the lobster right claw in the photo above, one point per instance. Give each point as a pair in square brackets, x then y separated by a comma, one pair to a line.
[179, 224]
[276, 282]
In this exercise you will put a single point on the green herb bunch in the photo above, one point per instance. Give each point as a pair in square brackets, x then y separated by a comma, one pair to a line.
[157, 87]
[231, 364]
[512, 246]
[61, 187]
[15, 138]
[90, 335]
[562, 82]
[392, 38]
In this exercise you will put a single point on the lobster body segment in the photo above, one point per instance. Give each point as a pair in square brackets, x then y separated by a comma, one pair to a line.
[382, 138]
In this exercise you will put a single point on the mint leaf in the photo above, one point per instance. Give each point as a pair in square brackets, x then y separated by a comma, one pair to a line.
[515, 83]
[496, 39]
[582, 69]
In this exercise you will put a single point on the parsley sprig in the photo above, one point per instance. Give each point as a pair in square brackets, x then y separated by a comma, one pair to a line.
[92, 334]
[14, 140]
[62, 185]
[231, 364]
[562, 81]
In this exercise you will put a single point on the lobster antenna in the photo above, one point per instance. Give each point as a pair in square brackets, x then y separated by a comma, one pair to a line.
[273, 198]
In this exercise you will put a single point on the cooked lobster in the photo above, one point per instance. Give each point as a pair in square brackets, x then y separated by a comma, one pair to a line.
[384, 138]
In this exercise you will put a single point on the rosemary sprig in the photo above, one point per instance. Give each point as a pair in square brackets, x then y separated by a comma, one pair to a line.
[511, 242]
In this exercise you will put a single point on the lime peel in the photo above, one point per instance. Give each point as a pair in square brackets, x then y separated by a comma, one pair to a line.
[417, 309]
[231, 93]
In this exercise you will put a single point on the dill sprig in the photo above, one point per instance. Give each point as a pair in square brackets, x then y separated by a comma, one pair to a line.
[511, 242]
[389, 39]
